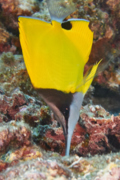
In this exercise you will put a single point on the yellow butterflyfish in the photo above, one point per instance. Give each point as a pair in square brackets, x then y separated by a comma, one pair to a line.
[55, 55]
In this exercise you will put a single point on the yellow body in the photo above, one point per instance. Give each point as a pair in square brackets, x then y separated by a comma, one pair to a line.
[55, 57]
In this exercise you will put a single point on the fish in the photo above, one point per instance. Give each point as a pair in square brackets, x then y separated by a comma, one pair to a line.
[55, 54]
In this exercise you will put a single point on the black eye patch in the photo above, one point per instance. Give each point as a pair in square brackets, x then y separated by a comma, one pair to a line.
[66, 25]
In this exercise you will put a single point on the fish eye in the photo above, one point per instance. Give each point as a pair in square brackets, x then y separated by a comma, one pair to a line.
[66, 25]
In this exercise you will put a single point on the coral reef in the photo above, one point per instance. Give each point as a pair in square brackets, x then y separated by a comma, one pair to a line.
[52, 166]
[102, 129]
[98, 132]
[9, 106]
[25, 153]
[37, 169]
[13, 74]
[13, 135]
[4, 37]
[7, 58]
[9, 12]
[23, 118]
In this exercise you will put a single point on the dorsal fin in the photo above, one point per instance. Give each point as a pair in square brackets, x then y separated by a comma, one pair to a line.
[88, 78]
[60, 9]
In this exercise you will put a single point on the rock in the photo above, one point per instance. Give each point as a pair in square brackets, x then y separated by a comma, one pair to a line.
[97, 133]
[9, 106]
[8, 58]
[14, 135]
[37, 169]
